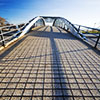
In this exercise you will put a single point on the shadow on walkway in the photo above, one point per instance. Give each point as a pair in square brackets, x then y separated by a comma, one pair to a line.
[7, 51]
[46, 34]
[59, 89]
[57, 64]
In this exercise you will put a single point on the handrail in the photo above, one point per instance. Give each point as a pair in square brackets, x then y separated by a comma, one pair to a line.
[20, 28]
[78, 32]
[87, 27]
[30, 24]
[7, 26]
[8, 32]
[72, 27]
[96, 29]
[23, 28]
[9, 35]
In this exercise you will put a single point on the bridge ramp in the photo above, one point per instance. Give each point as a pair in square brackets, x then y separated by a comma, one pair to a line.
[49, 64]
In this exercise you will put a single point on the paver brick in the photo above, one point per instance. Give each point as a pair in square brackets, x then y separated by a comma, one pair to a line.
[49, 65]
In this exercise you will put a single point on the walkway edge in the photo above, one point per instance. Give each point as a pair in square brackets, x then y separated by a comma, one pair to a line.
[16, 39]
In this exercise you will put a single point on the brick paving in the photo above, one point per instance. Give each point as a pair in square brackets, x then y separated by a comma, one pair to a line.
[49, 64]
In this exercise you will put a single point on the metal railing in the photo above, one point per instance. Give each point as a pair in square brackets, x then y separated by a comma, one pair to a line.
[92, 34]
[8, 33]
[68, 26]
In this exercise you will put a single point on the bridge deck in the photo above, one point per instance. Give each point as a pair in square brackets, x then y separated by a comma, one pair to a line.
[49, 64]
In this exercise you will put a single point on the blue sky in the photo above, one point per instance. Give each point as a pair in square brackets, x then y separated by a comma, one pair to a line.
[84, 12]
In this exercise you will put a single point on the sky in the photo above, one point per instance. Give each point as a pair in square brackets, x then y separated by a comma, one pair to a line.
[82, 12]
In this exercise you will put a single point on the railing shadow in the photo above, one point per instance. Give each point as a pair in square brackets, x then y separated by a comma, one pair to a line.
[37, 34]
[59, 30]
[7, 51]
[47, 34]
[31, 57]
[56, 61]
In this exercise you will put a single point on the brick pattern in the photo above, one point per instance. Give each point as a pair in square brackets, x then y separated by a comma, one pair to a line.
[50, 64]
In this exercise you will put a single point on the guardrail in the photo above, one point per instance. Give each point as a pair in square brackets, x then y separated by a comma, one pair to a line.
[8, 33]
[92, 34]
[68, 26]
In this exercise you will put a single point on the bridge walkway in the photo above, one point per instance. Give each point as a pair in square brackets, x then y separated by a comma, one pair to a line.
[49, 64]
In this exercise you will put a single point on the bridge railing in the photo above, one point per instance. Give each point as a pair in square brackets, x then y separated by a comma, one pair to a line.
[8, 33]
[68, 26]
[92, 34]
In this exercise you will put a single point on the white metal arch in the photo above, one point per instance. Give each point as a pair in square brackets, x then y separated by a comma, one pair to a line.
[31, 24]
[70, 26]
[64, 21]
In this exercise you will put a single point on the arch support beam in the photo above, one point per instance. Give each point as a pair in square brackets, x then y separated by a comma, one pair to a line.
[62, 22]
[58, 21]
[31, 24]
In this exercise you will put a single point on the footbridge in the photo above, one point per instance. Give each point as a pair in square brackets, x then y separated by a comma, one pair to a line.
[49, 58]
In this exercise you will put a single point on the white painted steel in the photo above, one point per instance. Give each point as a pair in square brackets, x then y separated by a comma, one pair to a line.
[30, 25]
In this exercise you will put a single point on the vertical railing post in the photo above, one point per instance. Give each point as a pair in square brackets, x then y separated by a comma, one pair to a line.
[79, 28]
[18, 28]
[97, 41]
[78, 31]
[64, 27]
[2, 38]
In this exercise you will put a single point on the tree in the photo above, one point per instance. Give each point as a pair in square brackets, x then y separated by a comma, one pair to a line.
[2, 21]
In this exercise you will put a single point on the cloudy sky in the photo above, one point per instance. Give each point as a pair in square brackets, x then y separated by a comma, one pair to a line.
[84, 12]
